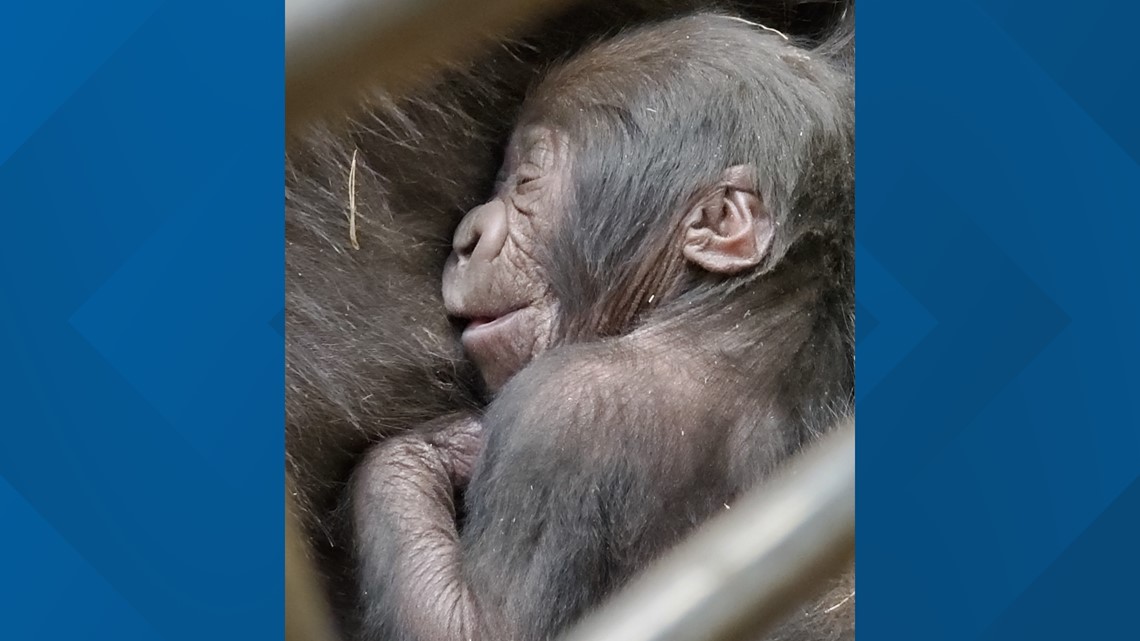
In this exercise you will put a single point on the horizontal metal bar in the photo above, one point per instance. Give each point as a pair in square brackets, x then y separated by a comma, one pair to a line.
[735, 578]
[333, 47]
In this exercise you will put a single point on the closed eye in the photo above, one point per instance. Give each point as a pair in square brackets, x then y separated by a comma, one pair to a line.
[527, 179]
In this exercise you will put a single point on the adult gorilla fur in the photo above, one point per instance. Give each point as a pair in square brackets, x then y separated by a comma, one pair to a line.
[369, 350]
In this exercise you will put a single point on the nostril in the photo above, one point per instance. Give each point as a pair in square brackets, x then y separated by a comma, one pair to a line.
[463, 246]
[481, 233]
[466, 237]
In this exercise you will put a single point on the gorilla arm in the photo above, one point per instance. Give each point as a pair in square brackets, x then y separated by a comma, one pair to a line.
[403, 506]
[555, 521]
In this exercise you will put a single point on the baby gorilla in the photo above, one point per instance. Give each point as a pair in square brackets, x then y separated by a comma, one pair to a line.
[660, 294]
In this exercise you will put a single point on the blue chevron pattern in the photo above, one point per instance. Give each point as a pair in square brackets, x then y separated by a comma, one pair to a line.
[141, 282]
[999, 452]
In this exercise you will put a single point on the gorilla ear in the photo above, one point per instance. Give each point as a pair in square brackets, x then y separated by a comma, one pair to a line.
[729, 230]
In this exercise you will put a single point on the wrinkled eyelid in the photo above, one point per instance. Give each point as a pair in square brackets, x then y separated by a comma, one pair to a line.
[527, 186]
[530, 171]
[542, 155]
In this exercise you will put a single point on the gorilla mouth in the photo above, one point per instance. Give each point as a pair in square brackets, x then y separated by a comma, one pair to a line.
[475, 323]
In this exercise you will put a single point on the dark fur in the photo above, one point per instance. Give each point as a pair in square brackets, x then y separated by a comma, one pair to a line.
[369, 352]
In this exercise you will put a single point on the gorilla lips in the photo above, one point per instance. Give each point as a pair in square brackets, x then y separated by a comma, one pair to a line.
[488, 322]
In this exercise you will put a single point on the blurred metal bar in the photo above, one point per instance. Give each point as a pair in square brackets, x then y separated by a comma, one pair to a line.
[306, 612]
[735, 578]
[333, 47]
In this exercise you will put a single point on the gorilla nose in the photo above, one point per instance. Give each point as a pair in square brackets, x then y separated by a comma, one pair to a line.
[482, 232]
